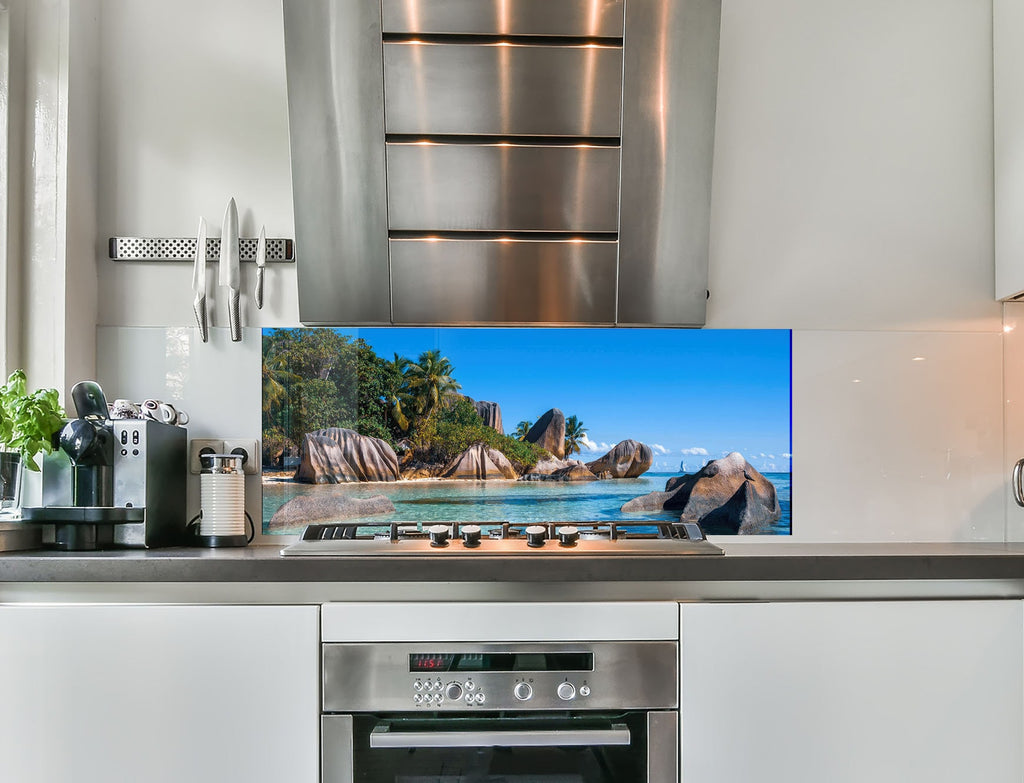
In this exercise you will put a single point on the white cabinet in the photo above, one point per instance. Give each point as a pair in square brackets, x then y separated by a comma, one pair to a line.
[1008, 133]
[159, 694]
[849, 692]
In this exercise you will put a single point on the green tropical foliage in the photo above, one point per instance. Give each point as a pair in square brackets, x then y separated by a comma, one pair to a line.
[430, 381]
[574, 432]
[319, 378]
[401, 401]
[457, 427]
[276, 379]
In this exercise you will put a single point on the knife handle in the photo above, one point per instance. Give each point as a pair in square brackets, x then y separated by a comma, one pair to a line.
[234, 317]
[199, 307]
[258, 295]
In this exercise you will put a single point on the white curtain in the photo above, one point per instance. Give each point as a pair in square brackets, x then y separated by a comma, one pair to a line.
[5, 189]
[47, 233]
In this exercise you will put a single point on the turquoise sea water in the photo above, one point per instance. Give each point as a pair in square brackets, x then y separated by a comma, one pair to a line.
[519, 502]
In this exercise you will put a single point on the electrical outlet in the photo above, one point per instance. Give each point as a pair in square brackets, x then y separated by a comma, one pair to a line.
[250, 451]
[198, 446]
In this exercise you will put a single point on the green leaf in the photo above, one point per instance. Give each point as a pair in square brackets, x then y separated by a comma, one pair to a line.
[28, 422]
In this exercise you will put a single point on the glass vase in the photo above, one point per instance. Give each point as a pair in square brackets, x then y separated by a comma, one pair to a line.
[11, 469]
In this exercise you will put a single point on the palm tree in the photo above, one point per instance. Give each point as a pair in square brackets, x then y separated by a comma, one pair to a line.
[276, 380]
[430, 379]
[522, 429]
[401, 401]
[574, 433]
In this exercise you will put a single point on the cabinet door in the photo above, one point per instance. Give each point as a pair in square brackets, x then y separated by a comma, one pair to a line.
[1008, 149]
[852, 692]
[159, 694]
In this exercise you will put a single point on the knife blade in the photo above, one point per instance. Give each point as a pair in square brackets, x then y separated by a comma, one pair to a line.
[199, 282]
[261, 262]
[229, 274]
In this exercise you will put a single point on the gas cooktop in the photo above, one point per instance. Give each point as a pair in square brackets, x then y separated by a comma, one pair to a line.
[502, 538]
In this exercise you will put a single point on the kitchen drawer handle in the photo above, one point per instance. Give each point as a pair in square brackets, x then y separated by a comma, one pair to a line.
[383, 737]
[1018, 487]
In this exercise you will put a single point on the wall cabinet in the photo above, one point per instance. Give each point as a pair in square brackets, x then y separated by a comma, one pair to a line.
[1008, 151]
[159, 694]
[901, 691]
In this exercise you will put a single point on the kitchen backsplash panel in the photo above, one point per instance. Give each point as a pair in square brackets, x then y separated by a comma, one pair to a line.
[1013, 388]
[898, 435]
[216, 383]
[913, 452]
[527, 426]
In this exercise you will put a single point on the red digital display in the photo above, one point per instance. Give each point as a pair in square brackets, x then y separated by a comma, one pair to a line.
[430, 662]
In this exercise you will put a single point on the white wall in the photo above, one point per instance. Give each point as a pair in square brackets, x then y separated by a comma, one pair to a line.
[852, 203]
[194, 112]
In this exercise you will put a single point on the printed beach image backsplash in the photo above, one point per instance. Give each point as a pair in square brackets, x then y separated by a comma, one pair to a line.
[426, 425]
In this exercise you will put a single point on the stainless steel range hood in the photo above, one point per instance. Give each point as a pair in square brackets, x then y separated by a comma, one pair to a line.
[502, 161]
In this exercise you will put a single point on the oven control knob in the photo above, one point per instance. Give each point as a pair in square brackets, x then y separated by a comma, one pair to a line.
[566, 691]
[438, 535]
[453, 691]
[471, 535]
[522, 691]
[535, 535]
[568, 535]
[584, 690]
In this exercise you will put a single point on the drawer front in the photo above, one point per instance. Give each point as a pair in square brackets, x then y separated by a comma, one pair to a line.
[502, 187]
[511, 281]
[596, 18]
[502, 89]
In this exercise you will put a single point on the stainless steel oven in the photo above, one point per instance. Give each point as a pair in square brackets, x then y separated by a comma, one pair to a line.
[523, 712]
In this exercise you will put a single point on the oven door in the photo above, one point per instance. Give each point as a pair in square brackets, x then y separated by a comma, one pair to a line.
[629, 747]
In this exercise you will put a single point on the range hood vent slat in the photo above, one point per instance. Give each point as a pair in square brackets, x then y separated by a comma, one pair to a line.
[598, 18]
[512, 236]
[502, 39]
[503, 140]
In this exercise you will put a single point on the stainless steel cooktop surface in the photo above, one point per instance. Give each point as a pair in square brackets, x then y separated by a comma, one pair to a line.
[468, 539]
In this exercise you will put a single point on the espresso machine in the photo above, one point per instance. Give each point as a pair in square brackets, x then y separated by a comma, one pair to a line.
[117, 482]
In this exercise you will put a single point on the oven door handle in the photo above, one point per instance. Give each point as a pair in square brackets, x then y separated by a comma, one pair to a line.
[382, 737]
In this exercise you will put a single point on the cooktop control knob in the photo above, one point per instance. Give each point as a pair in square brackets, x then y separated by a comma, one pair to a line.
[566, 691]
[471, 535]
[568, 535]
[522, 691]
[453, 691]
[438, 535]
[535, 535]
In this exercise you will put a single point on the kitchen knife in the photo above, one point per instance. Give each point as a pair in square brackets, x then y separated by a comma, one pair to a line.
[261, 262]
[199, 282]
[229, 275]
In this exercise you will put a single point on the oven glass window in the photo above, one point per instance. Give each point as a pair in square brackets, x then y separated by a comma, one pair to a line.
[598, 749]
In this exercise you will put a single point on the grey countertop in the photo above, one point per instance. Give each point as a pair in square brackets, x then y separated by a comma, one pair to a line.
[742, 562]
